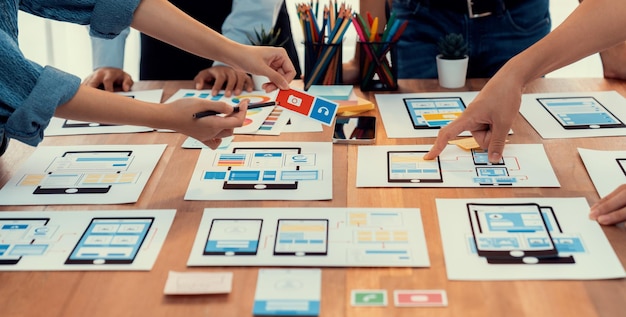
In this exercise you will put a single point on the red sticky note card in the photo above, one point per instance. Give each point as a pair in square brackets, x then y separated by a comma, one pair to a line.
[415, 298]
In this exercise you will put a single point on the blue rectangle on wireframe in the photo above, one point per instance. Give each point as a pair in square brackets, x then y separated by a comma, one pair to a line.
[214, 175]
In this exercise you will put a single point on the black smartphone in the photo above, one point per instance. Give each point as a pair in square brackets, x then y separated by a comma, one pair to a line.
[355, 130]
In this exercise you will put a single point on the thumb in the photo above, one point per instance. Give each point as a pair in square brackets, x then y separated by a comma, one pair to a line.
[496, 144]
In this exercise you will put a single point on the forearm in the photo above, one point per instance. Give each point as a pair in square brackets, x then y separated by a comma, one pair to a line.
[592, 27]
[93, 105]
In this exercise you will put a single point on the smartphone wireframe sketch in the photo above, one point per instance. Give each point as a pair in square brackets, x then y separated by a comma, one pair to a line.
[510, 231]
[111, 241]
[263, 168]
[15, 232]
[68, 174]
[411, 167]
[480, 157]
[233, 237]
[433, 113]
[580, 113]
[301, 237]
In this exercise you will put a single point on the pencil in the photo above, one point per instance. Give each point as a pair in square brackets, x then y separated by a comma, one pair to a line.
[209, 113]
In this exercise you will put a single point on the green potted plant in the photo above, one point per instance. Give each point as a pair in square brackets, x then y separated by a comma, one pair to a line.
[264, 38]
[452, 60]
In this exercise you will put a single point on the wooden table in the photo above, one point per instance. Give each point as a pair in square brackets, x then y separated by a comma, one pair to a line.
[141, 293]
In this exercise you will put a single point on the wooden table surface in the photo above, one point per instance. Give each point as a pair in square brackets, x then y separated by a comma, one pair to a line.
[141, 293]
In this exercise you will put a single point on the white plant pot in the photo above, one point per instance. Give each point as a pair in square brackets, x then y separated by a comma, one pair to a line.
[452, 72]
[259, 81]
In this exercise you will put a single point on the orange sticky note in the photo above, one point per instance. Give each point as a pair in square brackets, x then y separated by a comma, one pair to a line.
[466, 143]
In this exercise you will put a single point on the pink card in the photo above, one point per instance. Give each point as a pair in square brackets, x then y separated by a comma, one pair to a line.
[415, 298]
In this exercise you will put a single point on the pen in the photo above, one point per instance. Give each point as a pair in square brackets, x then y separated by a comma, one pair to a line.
[209, 113]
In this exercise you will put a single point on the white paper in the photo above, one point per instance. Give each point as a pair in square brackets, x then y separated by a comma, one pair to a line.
[191, 143]
[306, 168]
[59, 126]
[298, 123]
[84, 174]
[549, 128]
[288, 291]
[571, 231]
[46, 245]
[397, 121]
[525, 165]
[607, 169]
[356, 237]
[193, 283]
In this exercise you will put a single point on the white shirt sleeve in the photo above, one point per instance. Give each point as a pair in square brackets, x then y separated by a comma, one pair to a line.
[247, 16]
[108, 53]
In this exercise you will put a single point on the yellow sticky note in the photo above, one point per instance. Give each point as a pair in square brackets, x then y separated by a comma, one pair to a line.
[354, 106]
[466, 143]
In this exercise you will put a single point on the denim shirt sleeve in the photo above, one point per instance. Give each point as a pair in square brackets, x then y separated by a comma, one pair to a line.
[107, 18]
[29, 94]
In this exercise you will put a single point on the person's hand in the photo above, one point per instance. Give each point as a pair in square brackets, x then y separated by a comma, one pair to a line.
[489, 118]
[208, 130]
[233, 81]
[108, 78]
[610, 209]
[272, 62]
[350, 72]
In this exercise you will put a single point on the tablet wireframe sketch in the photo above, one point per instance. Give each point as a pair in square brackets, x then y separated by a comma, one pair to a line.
[433, 113]
[15, 231]
[111, 241]
[262, 168]
[301, 237]
[580, 113]
[411, 167]
[233, 237]
[68, 174]
[510, 231]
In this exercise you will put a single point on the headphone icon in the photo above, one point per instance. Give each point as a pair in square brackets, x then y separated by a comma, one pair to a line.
[324, 110]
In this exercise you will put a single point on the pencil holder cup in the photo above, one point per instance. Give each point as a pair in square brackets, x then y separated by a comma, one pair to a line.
[322, 64]
[378, 70]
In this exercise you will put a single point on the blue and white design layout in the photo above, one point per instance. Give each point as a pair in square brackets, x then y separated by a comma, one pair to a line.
[104, 240]
[575, 114]
[419, 115]
[524, 239]
[59, 126]
[86, 174]
[339, 237]
[607, 169]
[523, 165]
[264, 171]
[288, 292]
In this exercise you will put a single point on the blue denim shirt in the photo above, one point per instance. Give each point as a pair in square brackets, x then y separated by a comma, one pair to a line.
[30, 93]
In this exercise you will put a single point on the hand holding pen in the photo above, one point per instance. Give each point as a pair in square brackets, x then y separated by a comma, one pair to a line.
[208, 113]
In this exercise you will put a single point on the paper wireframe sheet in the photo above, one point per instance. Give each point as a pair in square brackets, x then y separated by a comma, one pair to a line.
[499, 239]
[84, 174]
[342, 237]
[264, 171]
[575, 114]
[88, 240]
[523, 165]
